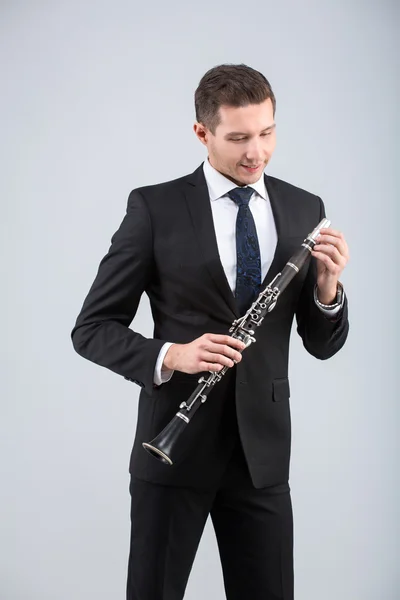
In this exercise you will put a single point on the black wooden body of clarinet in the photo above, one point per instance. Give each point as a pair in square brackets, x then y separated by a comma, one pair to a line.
[163, 447]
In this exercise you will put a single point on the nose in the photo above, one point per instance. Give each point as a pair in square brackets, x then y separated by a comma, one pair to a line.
[254, 153]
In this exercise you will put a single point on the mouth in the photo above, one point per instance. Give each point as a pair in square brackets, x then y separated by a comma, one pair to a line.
[251, 169]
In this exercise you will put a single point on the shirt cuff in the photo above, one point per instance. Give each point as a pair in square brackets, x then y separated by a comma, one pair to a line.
[329, 312]
[162, 375]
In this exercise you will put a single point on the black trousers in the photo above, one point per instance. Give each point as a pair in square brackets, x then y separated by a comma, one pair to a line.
[253, 527]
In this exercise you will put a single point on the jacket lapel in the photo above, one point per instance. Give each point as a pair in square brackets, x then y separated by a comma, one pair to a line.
[277, 205]
[198, 203]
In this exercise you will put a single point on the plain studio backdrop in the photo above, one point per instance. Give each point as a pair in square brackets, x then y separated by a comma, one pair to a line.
[97, 99]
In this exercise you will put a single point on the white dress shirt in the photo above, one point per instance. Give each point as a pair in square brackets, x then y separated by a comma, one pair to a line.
[224, 212]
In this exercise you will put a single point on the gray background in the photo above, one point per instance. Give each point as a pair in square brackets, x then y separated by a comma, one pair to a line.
[97, 99]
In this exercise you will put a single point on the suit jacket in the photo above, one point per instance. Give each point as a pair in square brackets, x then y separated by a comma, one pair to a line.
[166, 247]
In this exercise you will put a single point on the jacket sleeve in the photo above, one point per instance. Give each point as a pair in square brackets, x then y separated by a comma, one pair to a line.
[322, 335]
[101, 333]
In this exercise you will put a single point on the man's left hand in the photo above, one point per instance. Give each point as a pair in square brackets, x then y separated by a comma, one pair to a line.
[332, 254]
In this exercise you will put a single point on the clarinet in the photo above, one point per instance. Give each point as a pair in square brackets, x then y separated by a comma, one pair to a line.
[163, 447]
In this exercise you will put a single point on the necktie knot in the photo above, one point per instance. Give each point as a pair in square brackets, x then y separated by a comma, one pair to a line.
[241, 195]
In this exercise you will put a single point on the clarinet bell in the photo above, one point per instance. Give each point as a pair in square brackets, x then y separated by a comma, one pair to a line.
[163, 445]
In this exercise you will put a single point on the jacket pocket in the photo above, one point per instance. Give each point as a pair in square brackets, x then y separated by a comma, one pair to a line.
[280, 389]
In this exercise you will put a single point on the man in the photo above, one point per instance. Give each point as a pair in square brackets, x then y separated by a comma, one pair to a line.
[202, 247]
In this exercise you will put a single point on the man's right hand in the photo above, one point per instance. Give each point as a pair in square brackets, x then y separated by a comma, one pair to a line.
[210, 352]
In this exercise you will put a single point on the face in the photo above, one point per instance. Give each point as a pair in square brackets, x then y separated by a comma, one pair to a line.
[243, 142]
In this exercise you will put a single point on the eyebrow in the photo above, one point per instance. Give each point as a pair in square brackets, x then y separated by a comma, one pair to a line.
[241, 133]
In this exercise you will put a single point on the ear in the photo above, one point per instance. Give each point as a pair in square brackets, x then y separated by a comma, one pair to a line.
[201, 132]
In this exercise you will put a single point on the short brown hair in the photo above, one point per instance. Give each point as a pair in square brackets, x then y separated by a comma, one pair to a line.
[231, 85]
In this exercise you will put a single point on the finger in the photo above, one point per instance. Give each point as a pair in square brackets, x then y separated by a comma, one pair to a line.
[334, 233]
[210, 366]
[331, 251]
[225, 350]
[338, 242]
[227, 340]
[330, 231]
[331, 266]
[219, 359]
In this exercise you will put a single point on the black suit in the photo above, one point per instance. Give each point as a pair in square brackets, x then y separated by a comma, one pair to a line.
[166, 247]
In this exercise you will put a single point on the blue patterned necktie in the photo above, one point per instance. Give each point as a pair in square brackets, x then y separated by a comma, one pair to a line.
[248, 260]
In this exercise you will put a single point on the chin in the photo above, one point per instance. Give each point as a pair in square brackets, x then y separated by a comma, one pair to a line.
[249, 178]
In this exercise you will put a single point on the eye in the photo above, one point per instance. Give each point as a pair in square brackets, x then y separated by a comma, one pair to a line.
[266, 133]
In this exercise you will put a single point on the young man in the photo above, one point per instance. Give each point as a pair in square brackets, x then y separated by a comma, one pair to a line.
[202, 247]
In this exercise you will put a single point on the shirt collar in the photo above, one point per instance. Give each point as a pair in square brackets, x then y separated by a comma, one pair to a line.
[218, 185]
